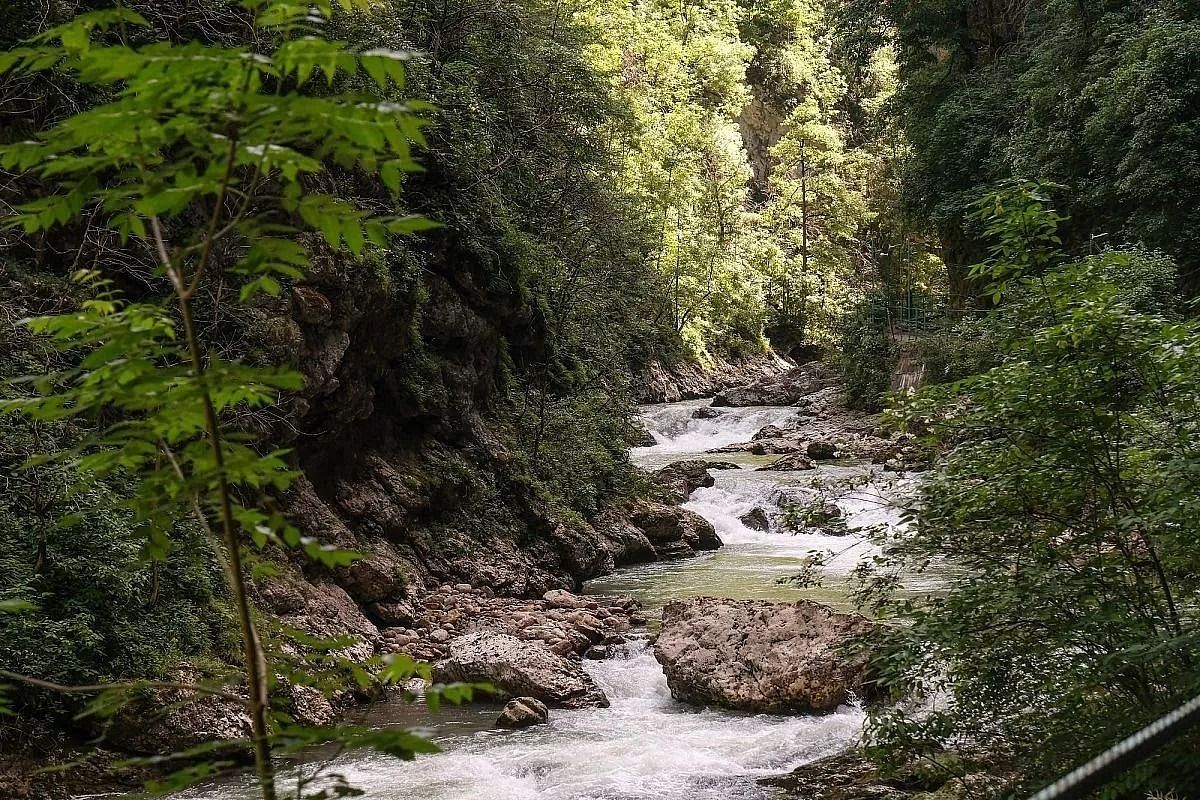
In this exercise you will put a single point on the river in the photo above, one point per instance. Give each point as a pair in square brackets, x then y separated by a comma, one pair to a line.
[646, 745]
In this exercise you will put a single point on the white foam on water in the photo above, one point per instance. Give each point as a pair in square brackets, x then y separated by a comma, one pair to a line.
[646, 746]
[676, 430]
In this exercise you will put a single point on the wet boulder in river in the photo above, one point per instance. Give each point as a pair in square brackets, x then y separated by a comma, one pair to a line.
[769, 432]
[640, 437]
[753, 655]
[707, 412]
[521, 712]
[796, 462]
[822, 450]
[755, 519]
[668, 527]
[684, 477]
[518, 668]
[766, 447]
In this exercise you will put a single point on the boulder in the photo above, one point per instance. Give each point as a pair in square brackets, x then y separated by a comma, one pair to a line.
[517, 668]
[845, 776]
[769, 432]
[561, 598]
[642, 438]
[829, 512]
[902, 465]
[376, 577]
[722, 465]
[822, 450]
[329, 612]
[760, 656]
[768, 447]
[756, 519]
[779, 390]
[796, 462]
[707, 412]
[521, 712]
[391, 614]
[624, 540]
[684, 477]
[174, 720]
[668, 527]
[309, 705]
[827, 518]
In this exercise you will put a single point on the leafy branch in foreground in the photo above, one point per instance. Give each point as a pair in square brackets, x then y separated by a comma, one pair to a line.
[205, 158]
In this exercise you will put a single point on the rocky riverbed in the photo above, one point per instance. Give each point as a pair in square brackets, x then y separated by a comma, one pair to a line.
[588, 705]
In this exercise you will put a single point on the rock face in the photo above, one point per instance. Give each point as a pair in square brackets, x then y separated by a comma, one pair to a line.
[521, 712]
[778, 390]
[519, 668]
[759, 656]
[684, 477]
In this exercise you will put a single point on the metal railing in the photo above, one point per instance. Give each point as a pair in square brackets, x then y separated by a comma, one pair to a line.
[1123, 755]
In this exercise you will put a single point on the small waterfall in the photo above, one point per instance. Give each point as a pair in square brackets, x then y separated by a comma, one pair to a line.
[644, 747]
[676, 430]
[647, 746]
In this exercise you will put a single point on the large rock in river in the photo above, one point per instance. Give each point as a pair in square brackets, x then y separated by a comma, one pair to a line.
[760, 656]
[521, 712]
[796, 462]
[674, 532]
[779, 390]
[519, 668]
[682, 478]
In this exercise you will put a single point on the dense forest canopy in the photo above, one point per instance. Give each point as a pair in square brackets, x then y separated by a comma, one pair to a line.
[1097, 96]
[334, 306]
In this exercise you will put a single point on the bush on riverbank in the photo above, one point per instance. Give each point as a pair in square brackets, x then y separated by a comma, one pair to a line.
[1067, 509]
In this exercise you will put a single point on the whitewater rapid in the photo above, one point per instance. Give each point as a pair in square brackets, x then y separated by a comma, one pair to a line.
[647, 746]
[644, 747]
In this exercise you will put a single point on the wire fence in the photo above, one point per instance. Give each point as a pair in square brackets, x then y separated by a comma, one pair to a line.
[1124, 755]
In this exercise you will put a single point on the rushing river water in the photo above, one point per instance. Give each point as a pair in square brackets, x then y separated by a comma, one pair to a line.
[647, 745]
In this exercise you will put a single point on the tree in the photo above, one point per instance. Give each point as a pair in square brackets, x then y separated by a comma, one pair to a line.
[1060, 527]
[207, 159]
[1096, 96]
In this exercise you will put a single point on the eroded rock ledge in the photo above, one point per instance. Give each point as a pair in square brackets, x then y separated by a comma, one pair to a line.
[853, 776]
